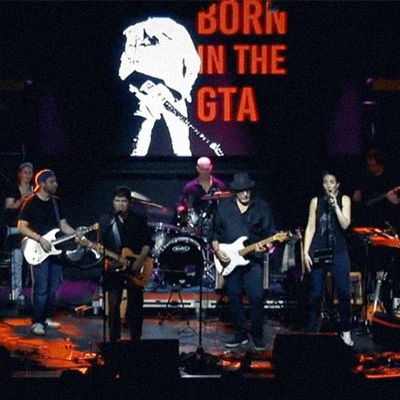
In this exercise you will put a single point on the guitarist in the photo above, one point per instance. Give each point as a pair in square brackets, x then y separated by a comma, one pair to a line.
[243, 215]
[41, 213]
[120, 229]
[376, 198]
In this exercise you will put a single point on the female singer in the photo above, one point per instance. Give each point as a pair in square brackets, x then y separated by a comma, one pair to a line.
[325, 250]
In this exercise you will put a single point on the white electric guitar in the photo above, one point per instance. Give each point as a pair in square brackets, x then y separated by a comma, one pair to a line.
[33, 251]
[236, 251]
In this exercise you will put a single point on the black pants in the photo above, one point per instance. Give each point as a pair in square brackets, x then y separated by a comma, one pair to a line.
[134, 311]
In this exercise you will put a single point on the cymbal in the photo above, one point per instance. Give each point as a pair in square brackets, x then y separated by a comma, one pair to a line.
[366, 230]
[139, 197]
[382, 241]
[217, 195]
[150, 204]
[162, 226]
[157, 209]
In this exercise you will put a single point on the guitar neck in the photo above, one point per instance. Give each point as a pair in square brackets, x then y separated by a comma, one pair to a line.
[114, 256]
[252, 247]
[376, 294]
[170, 107]
[63, 239]
[73, 235]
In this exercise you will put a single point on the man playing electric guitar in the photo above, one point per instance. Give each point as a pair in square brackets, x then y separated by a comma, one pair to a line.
[40, 214]
[124, 228]
[236, 217]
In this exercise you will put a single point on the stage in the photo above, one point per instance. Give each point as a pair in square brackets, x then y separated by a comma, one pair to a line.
[171, 342]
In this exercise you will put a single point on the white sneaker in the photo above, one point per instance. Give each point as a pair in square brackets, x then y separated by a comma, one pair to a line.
[346, 337]
[52, 324]
[38, 329]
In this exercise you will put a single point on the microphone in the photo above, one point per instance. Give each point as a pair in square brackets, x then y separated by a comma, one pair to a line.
[330, 198]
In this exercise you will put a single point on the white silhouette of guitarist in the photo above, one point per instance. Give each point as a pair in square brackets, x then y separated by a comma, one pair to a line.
[162, 51]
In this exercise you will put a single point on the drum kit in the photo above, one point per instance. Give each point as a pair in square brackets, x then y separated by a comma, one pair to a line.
[181, 253]
[383, 256]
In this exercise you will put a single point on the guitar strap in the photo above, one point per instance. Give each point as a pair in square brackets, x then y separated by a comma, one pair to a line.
[116, 234]
[56, 211]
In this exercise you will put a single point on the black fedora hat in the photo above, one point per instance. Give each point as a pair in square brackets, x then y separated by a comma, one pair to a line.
[241, 181]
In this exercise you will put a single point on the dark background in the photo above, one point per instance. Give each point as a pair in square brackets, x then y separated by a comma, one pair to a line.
[71, 112]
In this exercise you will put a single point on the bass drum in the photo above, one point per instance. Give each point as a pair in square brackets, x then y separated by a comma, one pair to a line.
[181, 261]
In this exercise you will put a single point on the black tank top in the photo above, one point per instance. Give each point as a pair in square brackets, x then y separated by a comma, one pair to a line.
[325, 218]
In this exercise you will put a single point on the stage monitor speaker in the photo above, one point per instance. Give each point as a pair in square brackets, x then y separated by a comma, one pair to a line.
[301, 357]
[142, 361]
[386, 331]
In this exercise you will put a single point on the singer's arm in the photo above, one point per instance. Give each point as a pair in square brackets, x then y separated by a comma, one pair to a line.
[309, 232]
[343, 214]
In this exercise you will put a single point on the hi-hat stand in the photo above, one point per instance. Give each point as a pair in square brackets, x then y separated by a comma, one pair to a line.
[175, 289]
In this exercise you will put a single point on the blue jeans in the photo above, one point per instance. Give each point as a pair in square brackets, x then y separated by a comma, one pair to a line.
[17, 262]
[46, 278]
[249, 279]
[340, 271]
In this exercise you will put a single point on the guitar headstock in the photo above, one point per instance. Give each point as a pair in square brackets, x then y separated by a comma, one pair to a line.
[281, 237]
[381, 275]
[294, 237]
[94, 227]
[216, 147]
[81, 231]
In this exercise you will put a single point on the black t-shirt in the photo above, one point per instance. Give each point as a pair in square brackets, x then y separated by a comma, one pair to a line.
[10, 215]
[380, 209]
[134, 232]
[41, 215]
[229, 223]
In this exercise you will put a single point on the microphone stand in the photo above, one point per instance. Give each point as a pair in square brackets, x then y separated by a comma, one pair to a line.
[104, 283]
[201, 362]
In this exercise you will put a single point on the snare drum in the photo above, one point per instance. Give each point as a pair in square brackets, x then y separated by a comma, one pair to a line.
[181, 260]
[162, 234]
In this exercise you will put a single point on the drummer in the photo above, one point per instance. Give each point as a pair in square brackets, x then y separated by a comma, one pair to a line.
[192, 210]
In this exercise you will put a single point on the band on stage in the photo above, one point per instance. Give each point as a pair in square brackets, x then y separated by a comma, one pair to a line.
[220, 233]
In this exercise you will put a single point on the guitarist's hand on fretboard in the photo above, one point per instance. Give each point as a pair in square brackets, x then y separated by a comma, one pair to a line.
[259, 248]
